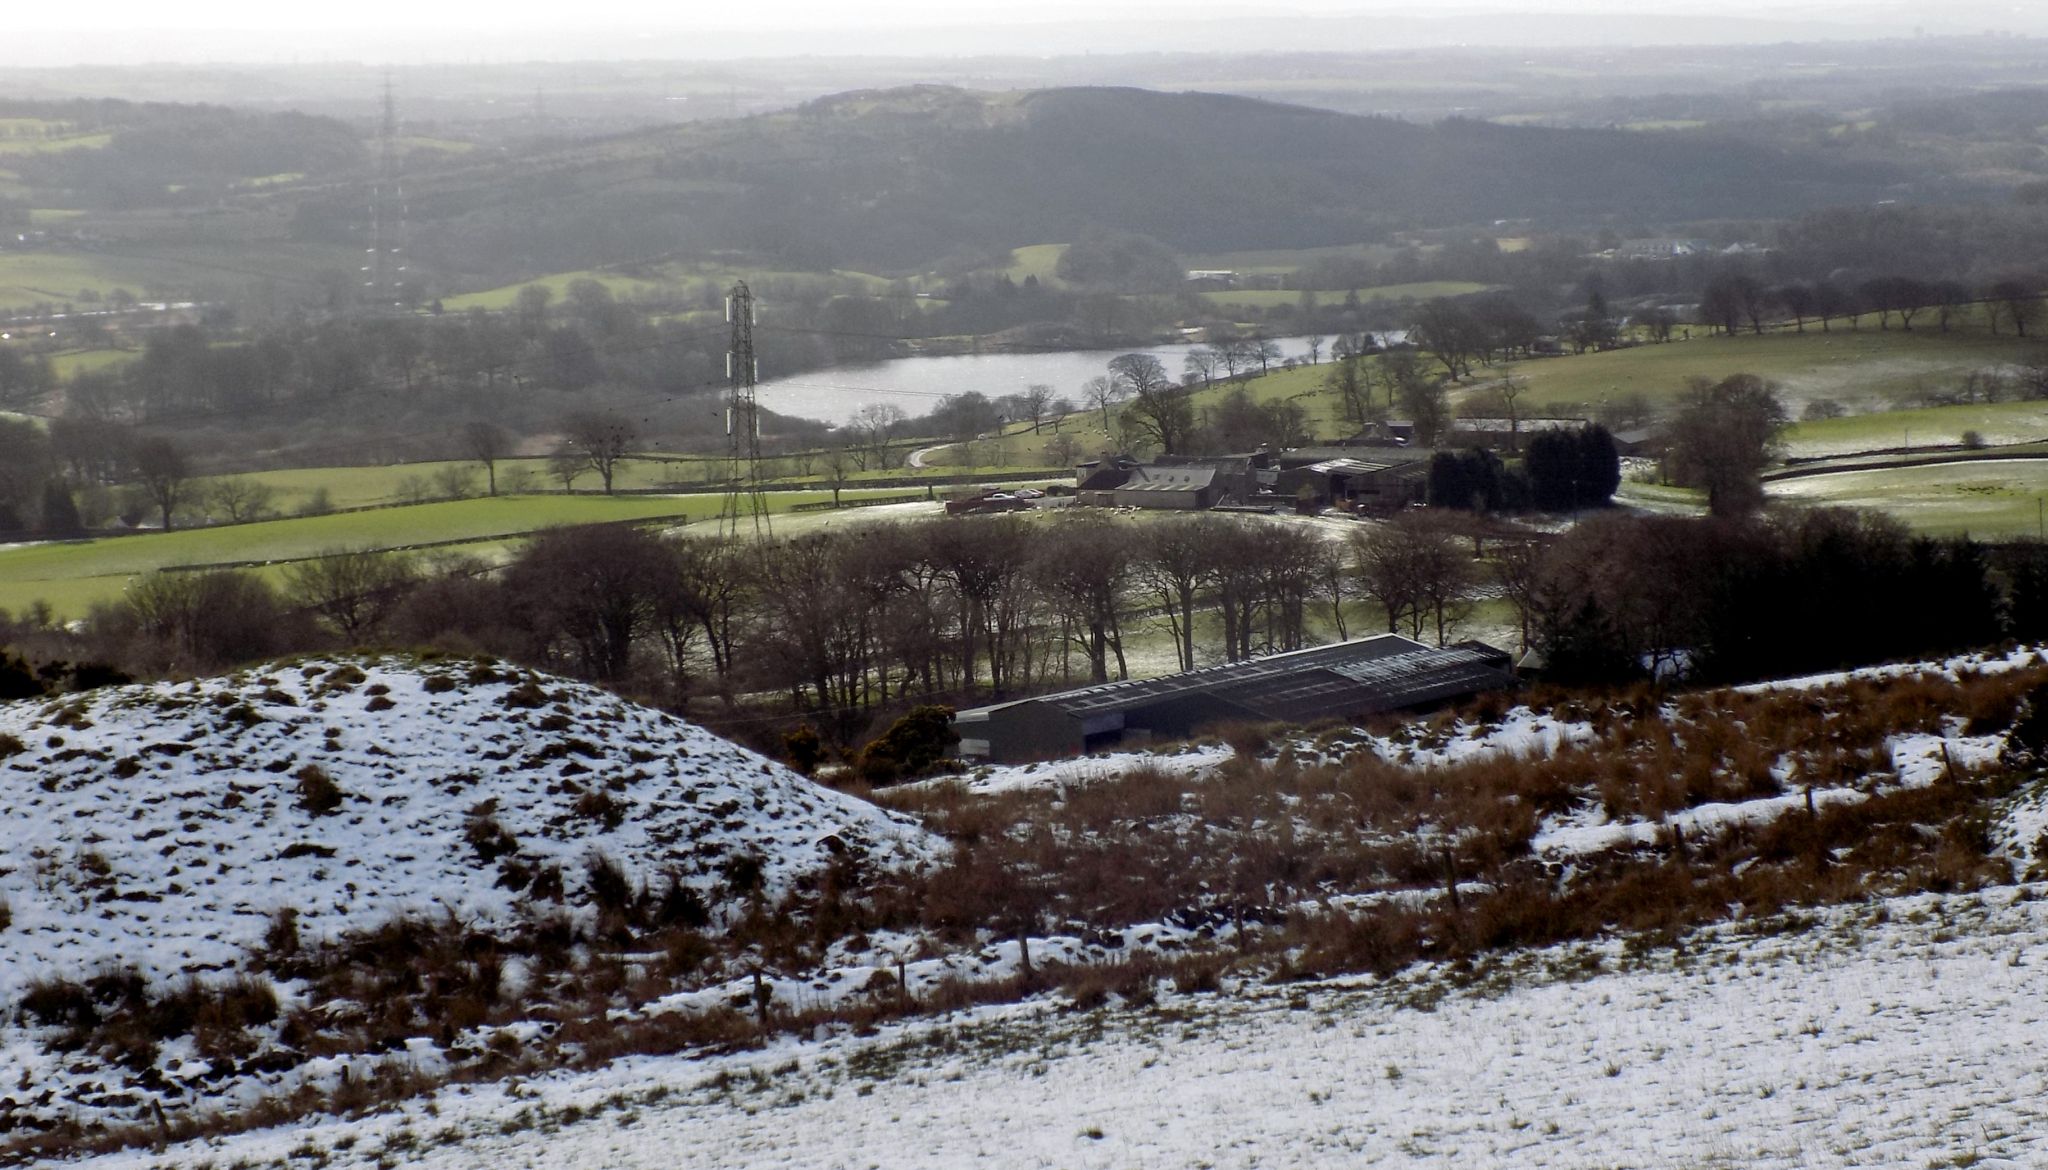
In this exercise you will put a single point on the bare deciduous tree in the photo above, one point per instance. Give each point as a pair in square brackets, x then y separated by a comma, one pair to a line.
[1158, 410]
[165, 477]
[353, 591]
[240, 498]
[1102, 392]
[1412, 565]
[487, 442]
[600, 439]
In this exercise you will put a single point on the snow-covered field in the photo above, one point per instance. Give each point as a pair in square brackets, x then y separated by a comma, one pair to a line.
[1899, 1034]
[1895, 1033]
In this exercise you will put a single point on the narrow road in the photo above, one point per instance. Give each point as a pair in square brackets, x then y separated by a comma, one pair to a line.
[916, 458]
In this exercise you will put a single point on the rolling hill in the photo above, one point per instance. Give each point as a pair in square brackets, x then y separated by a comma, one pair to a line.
[161, 838]
[896, 180]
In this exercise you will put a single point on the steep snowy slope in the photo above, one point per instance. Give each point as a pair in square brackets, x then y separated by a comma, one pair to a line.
[166, 826]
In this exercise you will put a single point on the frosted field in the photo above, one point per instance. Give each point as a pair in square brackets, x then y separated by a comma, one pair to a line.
[1904, 1033]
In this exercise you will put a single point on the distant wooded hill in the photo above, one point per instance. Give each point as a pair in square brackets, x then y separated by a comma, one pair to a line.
[121, 156]
[896, 180]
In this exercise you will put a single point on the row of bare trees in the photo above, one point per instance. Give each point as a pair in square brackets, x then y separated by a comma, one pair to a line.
[840, 623]
[1737, 301]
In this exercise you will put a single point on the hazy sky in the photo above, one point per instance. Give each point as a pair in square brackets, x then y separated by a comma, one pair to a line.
[126, 31]
[784, 14]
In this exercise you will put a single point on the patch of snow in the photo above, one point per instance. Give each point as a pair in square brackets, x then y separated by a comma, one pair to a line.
[1901, 1034]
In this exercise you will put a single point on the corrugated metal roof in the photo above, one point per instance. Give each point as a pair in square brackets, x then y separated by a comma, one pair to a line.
[1345, 679]
[1169, 479]
[1350, 466]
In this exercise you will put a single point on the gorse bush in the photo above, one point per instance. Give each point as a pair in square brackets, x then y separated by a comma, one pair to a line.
[318, 793]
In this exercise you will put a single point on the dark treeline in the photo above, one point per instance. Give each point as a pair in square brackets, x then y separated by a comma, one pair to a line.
[416, 378]
[1563, 471]
[1723, 601]
[1916, 266]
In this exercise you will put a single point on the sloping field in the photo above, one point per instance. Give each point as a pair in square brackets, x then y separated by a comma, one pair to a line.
[1866, 368]
[1990, 499]
[72, 575]
[1898, 1034]
[156, 272]
[1997, 424]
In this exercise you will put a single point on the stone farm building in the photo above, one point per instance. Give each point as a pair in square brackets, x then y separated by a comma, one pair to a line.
[1347, 680]
[1186, 483]
[1366, 479]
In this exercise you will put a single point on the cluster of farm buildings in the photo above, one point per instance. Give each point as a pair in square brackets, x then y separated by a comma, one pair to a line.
[1377, 472]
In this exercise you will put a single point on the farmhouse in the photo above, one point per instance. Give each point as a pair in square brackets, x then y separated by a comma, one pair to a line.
[1188, 483]
[1187, 488]
[1363, 478]
[1347, 680]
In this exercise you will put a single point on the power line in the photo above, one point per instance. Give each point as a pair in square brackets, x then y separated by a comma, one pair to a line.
[742, 421]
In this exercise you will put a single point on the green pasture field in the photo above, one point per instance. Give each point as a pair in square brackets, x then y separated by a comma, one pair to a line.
[450, 145]
[1037, 260]
[659, 281]
[1277, 261]
[1998, 424]
[1986, 498]
[281, 179]
[31, 278]
[354, 487]
[1663, 499]
[75, 362]
[73, 575]
[40, 145]
[1864, 369]
[1304, 384]
[1266, 298]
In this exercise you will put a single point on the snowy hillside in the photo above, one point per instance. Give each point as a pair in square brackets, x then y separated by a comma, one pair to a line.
[613, 906]
[208, 885]
[1897, 1034]
[166, 825]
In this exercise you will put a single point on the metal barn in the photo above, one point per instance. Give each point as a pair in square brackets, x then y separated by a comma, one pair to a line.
[1347, 680]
